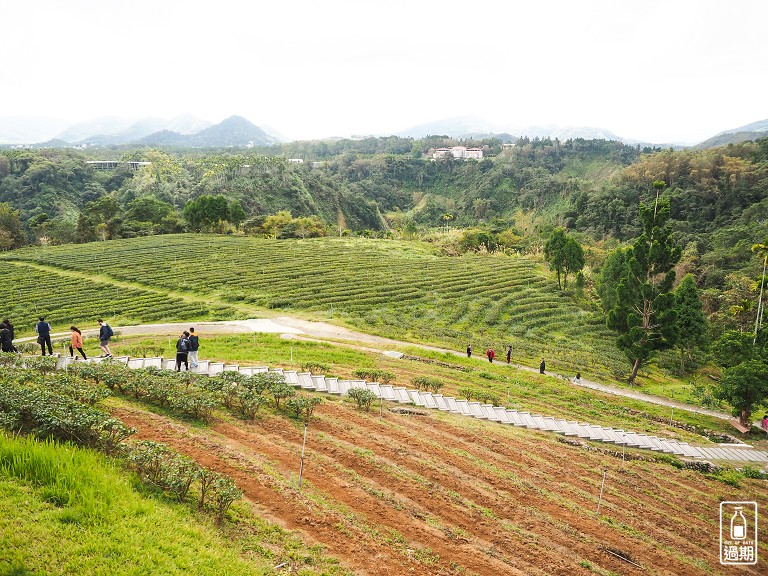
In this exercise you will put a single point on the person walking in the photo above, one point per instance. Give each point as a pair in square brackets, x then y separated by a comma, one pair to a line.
[76, 343]
[542, 366]
[6, 342]
[182, 351]
[194, 346]
[509, 354]
[469, 350]
[491, 355]
[43, 330]
[105, 333]
[10, 328]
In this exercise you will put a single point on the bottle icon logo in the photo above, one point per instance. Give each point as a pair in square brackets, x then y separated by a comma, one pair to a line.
[738, 525]
[738, 533]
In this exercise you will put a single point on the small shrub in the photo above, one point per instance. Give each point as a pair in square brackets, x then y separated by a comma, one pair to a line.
[303, 406]
[485, 397]
[374, 375]
[43, 364]
[728, 476]
[224, 492]
[206, 478]
[147, 458]
[750, 471]
[145, 350]
[315, 367]
[9, 359]
[426, 383]
[362, 397]
[248, 402]
[178, 475]
[279, 390]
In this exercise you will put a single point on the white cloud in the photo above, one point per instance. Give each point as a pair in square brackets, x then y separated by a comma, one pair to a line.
[651, 69]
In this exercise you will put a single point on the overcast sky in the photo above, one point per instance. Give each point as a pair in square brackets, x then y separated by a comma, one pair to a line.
[653, 70]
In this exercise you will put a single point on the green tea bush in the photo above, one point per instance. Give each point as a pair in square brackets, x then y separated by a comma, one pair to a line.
[303, 406]
[374, 375]
[427, 383]
[43, 364]
[280, 390]
[31, 408]
[315, 367]
[362, 397]
[224, 492]
[752, 472]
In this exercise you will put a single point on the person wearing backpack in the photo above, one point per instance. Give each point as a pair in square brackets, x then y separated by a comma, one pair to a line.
[194, 346]
[6, 342]
[105, 333]
[182, 351]
[12, 334]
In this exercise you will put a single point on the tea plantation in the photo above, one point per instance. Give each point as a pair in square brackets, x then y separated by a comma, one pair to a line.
[403, 290]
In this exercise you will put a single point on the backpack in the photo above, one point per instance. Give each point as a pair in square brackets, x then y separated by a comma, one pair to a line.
[109, 331]
[183, 345]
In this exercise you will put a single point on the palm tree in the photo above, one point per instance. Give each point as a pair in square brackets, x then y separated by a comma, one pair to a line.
[761, 249]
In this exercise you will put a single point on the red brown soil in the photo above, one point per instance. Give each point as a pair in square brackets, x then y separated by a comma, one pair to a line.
[442, 494]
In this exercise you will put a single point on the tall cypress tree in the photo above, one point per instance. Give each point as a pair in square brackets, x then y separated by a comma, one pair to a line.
[644, 314]
[691, 322]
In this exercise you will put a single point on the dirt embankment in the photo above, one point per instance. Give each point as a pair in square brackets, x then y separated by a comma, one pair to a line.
[439, 495]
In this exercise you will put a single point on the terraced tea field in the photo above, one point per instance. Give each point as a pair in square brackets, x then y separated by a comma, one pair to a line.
[31, 292]
[395, 289]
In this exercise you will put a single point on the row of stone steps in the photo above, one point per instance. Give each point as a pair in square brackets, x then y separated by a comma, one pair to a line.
[332, 385]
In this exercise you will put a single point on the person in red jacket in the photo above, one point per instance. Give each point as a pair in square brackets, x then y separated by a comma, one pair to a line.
[491, 355]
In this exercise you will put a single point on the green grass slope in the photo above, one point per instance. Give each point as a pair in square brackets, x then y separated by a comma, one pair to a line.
[65, 510]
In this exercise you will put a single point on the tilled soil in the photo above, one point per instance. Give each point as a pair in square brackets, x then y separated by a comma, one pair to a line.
[438, 494]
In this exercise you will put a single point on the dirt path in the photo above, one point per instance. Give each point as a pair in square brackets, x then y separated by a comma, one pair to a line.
[291, 327]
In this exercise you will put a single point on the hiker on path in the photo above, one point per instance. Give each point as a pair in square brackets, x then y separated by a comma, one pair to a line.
[43, 330]
[469, 350]
[542, 366]
[509, 354]
[577, 379]
[76, 343]
[10, 328]
[194, 346]
[182, 351]
[105, 333]
[6, 342]
[764, 423]
[491, 355]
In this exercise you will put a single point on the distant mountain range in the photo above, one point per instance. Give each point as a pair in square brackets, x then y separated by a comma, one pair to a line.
[751, 131]
[476, 127]
[236, 131]
[181, 131]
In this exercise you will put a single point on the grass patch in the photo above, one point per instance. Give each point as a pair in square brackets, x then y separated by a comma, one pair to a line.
[65, 510]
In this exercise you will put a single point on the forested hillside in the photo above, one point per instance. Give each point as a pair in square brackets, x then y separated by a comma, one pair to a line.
[393, 187]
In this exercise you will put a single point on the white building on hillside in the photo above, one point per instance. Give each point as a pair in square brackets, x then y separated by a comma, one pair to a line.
[458, 152]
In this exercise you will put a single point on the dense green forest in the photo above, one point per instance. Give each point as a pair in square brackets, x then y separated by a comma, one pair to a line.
[510, 200]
